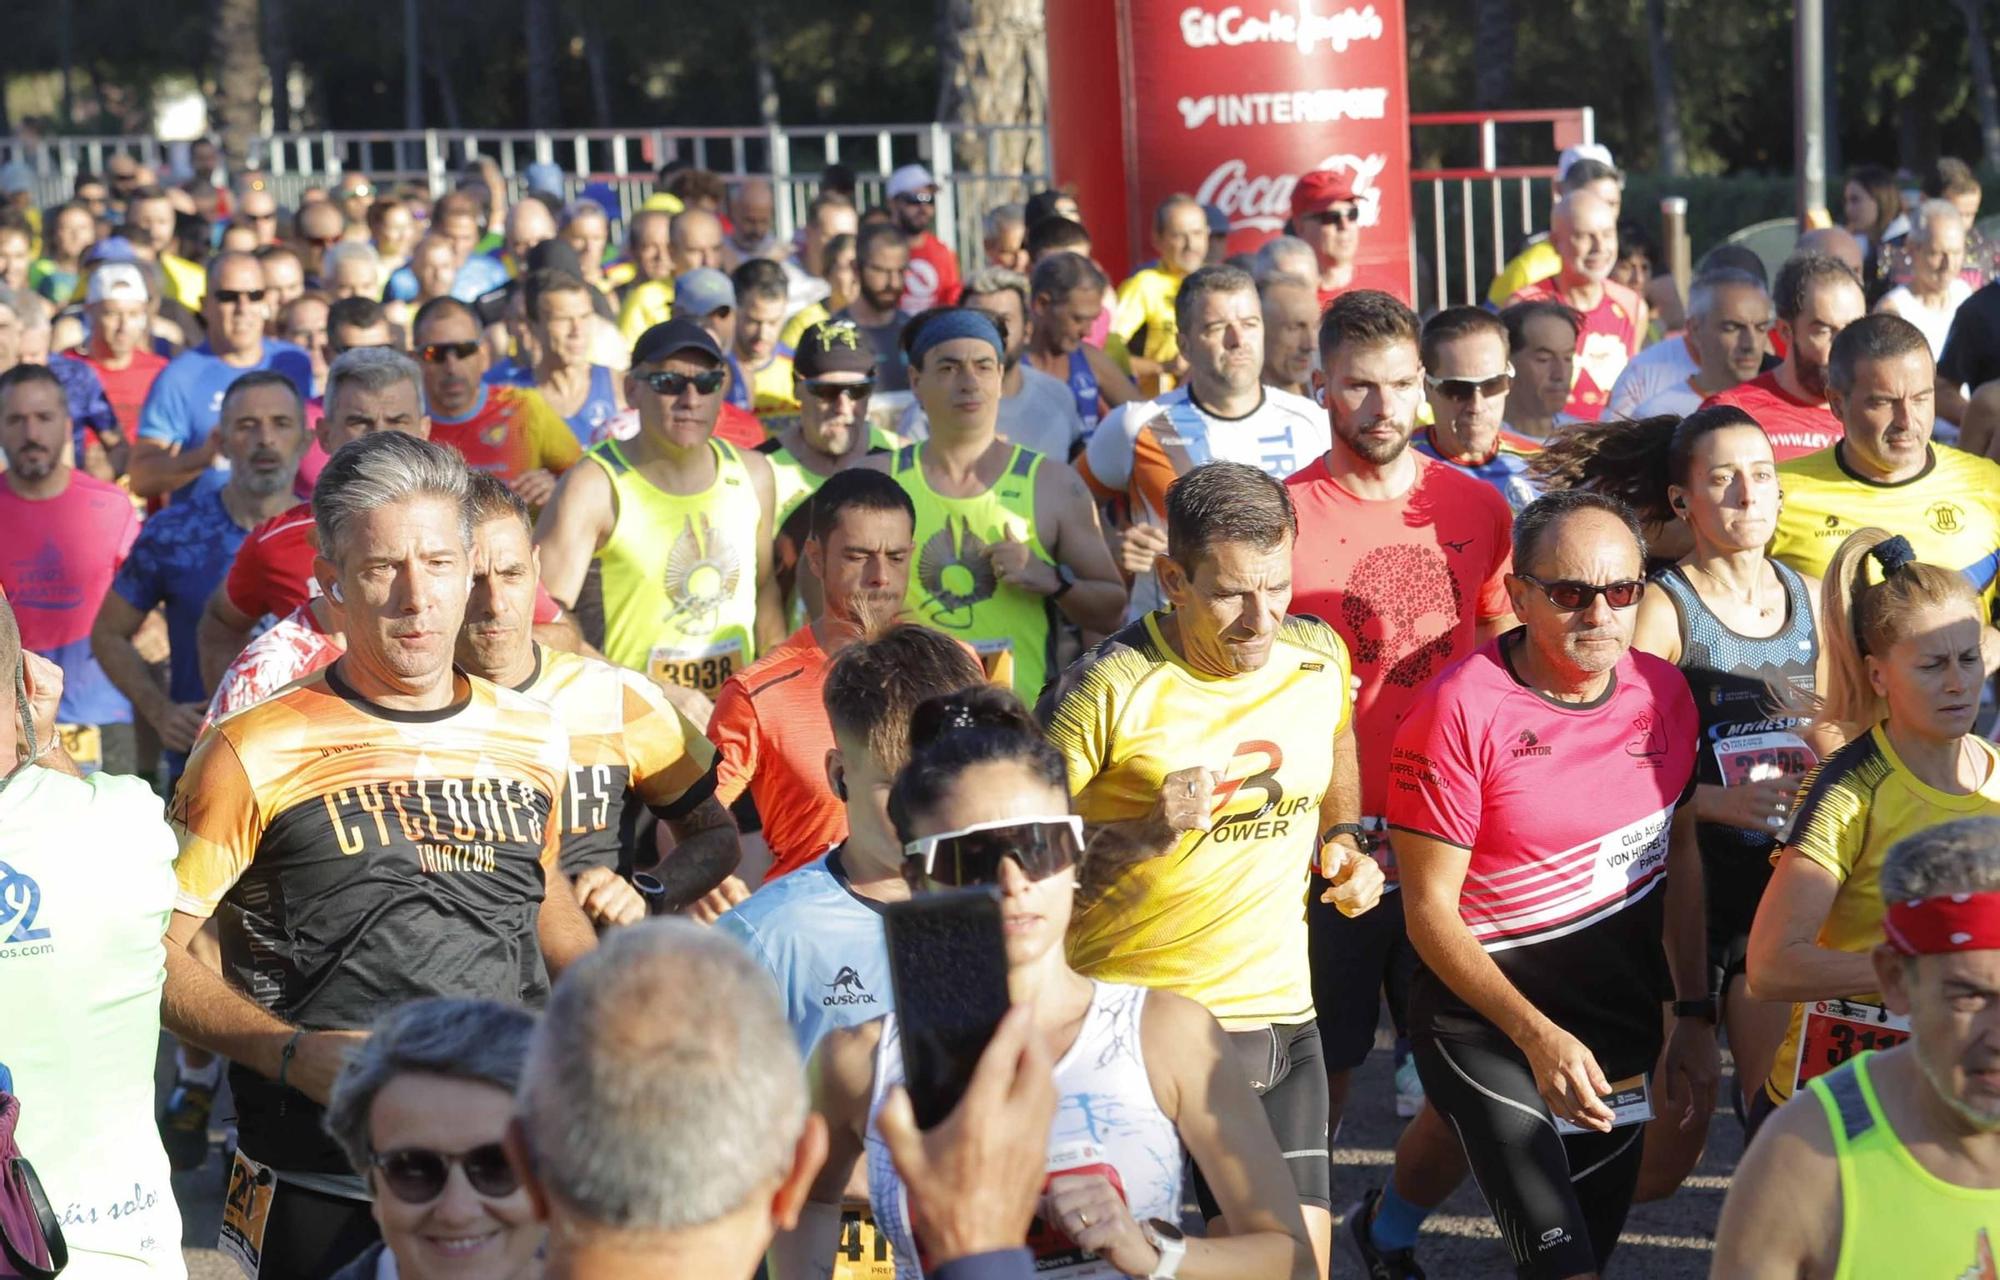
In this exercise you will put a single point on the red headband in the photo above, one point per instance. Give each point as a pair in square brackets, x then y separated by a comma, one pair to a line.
[1945, 924]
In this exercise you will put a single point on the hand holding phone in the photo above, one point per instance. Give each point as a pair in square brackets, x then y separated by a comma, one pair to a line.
[948, 966]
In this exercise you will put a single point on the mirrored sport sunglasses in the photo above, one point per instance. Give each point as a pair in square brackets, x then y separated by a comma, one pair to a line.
[416, 1175]
[667, 383]
[1574, 597]
[830, 392]
[972, 855]
[439, 352]
[1463, 388]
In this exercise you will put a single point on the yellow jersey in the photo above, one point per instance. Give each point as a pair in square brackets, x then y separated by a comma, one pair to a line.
[1532, 265]
[771, 388]
[1146, 306]
[1950, 512]
[1857, 803]
[795, 328]
[1220, 917]
[187, 283]
[647, 303]
[680, 573]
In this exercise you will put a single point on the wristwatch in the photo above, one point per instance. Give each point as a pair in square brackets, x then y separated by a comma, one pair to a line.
[1170, 1241]
[1065, 580]
[1704, 1009]
[1355, 829]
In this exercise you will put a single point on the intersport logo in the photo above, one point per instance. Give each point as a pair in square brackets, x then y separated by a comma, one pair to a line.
[1303, 27]
[1304, 106]
[1261, 203]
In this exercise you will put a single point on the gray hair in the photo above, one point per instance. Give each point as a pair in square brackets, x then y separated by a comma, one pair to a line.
[996, 280]
[1701, 293]
[480, 1041]
[1962, 856]
[576, 210]
[1285, 256]
[1929, 211]
[373, 369]
[382, 468]
[647, 1110]
[1003, 216]
[329, 265]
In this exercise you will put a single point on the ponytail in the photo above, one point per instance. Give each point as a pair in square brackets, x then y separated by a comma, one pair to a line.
[1863, 618]
[952, 733]
[1633, 461]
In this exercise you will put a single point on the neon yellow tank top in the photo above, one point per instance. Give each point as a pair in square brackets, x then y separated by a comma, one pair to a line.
[953, 587]
[1897, 1218]
[680, 573]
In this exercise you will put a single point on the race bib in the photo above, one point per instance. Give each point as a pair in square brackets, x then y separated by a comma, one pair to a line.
[703, 669]
[863, 1252]
[85, 744]
[245, 1212]
[996, 657]
[1630, 1100]
[1054, 1252]
[1760, 757]
[1832, 1031]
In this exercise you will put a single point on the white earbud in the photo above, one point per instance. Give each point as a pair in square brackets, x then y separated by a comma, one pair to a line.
[338, 598]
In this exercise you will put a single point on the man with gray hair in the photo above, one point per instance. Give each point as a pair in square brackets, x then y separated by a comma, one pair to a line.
[380, 831]
[1036, 411]
[1291, 331]
[650, 1174]
[352, 269]
[1936, 289]
[1889, 1164]
[1728, 320]
[1286, 256]
[1006, 238]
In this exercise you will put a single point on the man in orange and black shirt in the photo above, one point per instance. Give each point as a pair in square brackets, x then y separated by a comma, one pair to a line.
[629, 749]
[381, 831]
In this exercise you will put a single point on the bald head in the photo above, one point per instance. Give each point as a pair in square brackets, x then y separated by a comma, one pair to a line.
[753, 211]
[529, 223]
[1837, 243]
[1584, 231]
[694, 239]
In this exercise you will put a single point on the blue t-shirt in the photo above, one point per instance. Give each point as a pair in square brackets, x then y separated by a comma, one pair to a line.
[186, 400]
[822, 944]
[481, 274]
[1506, 471]
[1083, 386]
[182, 555]
[88, 405]
[599, 407]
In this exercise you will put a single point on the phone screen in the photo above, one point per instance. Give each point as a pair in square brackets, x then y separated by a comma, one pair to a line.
[948, 964]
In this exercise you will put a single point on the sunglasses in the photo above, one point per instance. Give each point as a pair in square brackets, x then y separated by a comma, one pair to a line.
[972, 855]
[666, 383]
[439, 352]
[1340, 217]
[1573, 597]
[417, 1176]
[921, 197]
[358, 193]
[1464, 388]
[239, 295]
[831, 392]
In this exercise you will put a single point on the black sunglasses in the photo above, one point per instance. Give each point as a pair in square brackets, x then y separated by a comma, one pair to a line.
[439, 352]
[1573, 597]
[830, 392]
[921, 197]
[239, 295]
[972, 855]
[666, 383]
[1463, 388]
[417, 1176]
[1340, 217]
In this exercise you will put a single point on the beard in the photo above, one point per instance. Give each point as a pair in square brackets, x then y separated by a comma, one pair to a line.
[1811, 373]
[1374, 450]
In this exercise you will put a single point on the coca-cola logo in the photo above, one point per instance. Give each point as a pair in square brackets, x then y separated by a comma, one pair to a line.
[1261, 203]
[1303, 27]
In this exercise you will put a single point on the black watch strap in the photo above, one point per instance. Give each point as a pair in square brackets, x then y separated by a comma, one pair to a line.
[1704, 1009]
[1065, 579]
[1355, 829]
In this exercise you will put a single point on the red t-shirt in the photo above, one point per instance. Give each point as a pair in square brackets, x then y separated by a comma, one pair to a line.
[1406, 582]
[1565, 810]
[932, 277]
[771, 736]
[273, 570]
[1608, 339]
[1796, 427]
[125, 388]
[740, 427]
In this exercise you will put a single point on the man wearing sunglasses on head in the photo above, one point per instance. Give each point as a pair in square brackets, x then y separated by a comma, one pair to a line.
[1539, 805]
[1327, 216]
[1467, 377]
[680, 520]
[176, 441]
[507, 431]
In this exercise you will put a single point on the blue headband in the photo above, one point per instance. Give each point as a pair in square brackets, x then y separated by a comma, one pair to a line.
[950, 325]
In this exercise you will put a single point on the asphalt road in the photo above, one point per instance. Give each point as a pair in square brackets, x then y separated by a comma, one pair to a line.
[1670, 1240]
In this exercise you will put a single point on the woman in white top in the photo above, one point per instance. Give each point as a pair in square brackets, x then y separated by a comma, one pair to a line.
[1937, 255]
[1142, 1075]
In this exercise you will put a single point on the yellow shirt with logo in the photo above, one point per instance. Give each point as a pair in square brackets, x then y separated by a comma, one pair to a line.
[1221, 917]
[1853, 807]
[1146, 303]
[680, 573]
[1950, 512]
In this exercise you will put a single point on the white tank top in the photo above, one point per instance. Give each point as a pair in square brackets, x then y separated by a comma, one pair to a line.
[1107, 1121]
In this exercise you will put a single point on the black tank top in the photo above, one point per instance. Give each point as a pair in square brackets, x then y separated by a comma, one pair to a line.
[1743, 727]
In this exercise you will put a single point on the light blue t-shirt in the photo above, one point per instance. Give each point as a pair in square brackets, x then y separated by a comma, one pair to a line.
[481, 274]
[186, 400]
[822, 944]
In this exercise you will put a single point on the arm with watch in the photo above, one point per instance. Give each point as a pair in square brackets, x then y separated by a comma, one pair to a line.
[1354, 879]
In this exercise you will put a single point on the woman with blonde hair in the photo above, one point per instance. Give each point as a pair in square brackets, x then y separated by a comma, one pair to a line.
[1902, 680]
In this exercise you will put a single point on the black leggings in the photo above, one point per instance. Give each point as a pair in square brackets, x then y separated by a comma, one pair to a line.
[310, 1235]
[1560, 1201]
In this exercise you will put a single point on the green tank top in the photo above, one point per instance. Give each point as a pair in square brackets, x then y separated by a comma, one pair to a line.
[1896, 1217]
[794, 484]
[953, 587]
[680, 573]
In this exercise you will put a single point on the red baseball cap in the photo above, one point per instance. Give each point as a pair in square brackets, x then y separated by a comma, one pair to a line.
[1320, 190]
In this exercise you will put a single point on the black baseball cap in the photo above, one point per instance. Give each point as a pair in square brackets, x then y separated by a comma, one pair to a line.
[672, 337]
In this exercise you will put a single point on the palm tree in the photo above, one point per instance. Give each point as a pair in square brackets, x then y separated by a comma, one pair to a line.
[239, 78]
[993, 66]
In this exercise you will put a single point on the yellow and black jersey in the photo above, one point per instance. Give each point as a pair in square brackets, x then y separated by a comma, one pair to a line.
[1221, 917]
[625, 740]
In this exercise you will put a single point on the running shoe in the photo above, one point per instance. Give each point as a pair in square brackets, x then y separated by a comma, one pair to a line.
[1376, 1264]
[184, 1124]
